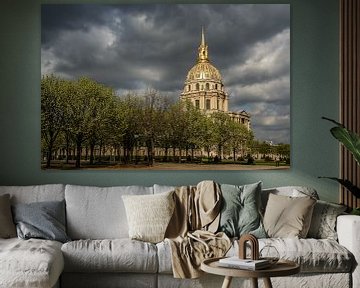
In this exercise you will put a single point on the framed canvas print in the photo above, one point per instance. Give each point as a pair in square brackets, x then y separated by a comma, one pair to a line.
[151, 86]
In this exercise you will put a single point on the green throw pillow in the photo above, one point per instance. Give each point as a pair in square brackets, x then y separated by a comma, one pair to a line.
[240, 213]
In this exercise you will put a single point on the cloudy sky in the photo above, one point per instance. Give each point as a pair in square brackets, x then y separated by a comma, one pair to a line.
[136, 47]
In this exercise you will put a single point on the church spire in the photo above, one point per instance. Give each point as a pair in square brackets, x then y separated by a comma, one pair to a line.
[202, 36]
[203, 48]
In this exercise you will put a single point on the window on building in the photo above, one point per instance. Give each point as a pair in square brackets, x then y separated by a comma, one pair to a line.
[207, 86]
[208, 106]
[197, 104]
[197, 86]
[188, 87]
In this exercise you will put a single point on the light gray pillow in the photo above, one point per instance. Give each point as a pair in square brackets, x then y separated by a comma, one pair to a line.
[7, 226]
[240, 213]
[323, 222]
[288, 217]
[44, 220]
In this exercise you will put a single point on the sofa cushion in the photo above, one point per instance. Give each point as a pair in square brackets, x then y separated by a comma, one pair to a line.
[116, 255]
[30, 263]
[287, 216]
[98, 213]
[163, 188]
[7, 226]
[35, 193]
[149, 215]
[313, 255]
[323, 222]
[240, 212]
[43, 220]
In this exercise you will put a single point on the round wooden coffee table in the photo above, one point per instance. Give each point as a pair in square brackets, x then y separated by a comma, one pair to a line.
[281, 268]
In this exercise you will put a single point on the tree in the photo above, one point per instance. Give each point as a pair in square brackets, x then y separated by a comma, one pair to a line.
[239, 137]
[153, 110]
[222, 132]
[283, 150]
[52, 112]
[86, 109]
[101, 117]
[131, 109]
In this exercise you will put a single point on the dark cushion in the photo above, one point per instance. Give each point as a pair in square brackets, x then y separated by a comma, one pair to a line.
[7, 226]
[43, 220]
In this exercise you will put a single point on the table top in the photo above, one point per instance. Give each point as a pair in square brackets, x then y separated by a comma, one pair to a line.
[281, 268]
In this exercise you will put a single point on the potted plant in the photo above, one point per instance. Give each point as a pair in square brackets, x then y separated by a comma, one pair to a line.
[351, 141]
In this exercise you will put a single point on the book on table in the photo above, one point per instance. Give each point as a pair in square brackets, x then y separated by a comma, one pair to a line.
[249, 264]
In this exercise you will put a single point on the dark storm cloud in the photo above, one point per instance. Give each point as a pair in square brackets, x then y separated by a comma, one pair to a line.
[134, 47]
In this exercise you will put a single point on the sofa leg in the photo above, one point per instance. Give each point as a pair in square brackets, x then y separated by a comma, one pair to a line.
[267, 283]
[227, 282]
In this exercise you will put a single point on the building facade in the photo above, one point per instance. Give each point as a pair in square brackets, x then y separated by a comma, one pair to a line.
[204, 87]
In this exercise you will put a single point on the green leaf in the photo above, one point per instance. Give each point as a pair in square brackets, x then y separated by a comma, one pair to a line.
[347, 184]
[348, 138]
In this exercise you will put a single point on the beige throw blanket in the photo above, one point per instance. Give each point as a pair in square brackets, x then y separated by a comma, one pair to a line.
[191, 231]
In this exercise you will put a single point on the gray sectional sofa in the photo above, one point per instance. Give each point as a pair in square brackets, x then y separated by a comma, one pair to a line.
[100, 253]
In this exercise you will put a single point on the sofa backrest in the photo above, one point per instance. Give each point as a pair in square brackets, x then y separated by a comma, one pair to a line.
[35, 193]
[293, 191]
[98, 212]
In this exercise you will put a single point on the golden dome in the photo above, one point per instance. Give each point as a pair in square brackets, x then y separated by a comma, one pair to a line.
[203, 71]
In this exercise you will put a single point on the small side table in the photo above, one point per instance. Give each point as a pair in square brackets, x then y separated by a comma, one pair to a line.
[281, 268]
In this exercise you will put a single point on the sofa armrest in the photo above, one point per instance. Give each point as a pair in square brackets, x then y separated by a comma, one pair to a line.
[348, 230]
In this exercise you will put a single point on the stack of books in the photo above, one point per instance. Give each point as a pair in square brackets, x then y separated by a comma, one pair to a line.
[248, 264]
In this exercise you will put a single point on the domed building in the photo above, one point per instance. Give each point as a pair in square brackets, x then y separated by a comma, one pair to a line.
[204, 87]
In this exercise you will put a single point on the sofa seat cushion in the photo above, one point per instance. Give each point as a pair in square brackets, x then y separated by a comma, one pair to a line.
[313, 255]
[30, 263]
[110, 255]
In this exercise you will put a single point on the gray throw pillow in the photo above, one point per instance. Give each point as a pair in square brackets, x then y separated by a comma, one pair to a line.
[44, 220]
[7, 226]
[240, 213]
[323, 222]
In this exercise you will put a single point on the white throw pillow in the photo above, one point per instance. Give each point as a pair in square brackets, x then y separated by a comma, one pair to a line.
[149, 215]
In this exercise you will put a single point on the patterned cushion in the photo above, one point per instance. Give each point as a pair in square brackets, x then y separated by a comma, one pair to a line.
[323, 223]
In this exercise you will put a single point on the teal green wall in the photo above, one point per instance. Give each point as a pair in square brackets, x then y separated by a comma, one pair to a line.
[314, 93]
